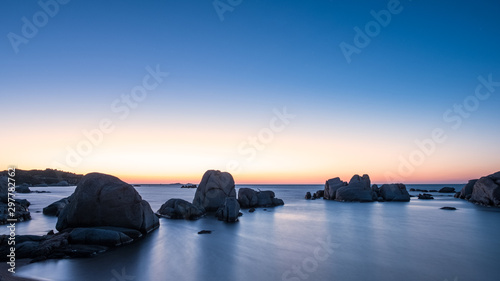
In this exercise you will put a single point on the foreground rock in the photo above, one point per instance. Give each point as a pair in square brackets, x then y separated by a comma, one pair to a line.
[104, 200]
[230, 211]
[55, 208]
[213, 189]
[21, 213]
[179, 209]
[249, 198]
[394, 192]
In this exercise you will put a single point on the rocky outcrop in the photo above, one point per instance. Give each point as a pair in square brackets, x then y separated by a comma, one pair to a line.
[179, 209]
[394, 192]
[485, 191]
[21, 211]
[425, 196]
[23, 188]
[229, 212]
[47, 177]
[308, 195]
[213, 189]
[331, 187]
[104, 200]
[249, 198]
[55, 208]
[358, 189]
[446, 190]
[319, 194]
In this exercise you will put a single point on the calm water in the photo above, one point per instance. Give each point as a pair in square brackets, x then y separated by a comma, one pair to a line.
[303, 240]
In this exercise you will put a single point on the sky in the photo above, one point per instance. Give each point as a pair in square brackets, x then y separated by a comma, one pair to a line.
[160, 91]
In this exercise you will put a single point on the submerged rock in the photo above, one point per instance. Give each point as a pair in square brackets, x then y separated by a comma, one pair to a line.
[213, 189]
[179, 209]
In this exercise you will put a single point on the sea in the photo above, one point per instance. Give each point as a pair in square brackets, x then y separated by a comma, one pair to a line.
[302, 240]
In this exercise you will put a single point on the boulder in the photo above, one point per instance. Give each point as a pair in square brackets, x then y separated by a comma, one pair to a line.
[425, 196]
[179, 209]
[331, 187]
[247, 198]
[358, 189]
[23, 188]
[96, 236]
[447, 190]
[213, 189]
[394, 192]
[486, 191]
[308, 195]
[55, 208]
[319, 194]
[230, 211]
[104, 200]
[466, 191]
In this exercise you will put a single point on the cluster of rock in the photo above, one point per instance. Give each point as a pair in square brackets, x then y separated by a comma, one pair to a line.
[425, 196]
[484, 191]
[21, 213]
[189, 186]
[316, 195]
[445, 189]
[360, 189]
[103, 212]
[216, 193]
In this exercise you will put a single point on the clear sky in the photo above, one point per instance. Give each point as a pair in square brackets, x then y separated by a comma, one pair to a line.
[272, 91]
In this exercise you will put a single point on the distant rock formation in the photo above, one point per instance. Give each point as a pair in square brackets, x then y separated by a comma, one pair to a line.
[447, 190]
[47, 177]
[179, 209]
[104, 200]
[249, 198]
[425, 196]
[213, 189]
[358, 189]
[189, 186]
[21, 213]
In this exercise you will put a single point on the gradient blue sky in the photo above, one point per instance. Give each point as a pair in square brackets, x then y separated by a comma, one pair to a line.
[226, 77]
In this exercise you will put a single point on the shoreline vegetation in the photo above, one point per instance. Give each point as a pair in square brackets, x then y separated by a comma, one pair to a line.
[104, 212]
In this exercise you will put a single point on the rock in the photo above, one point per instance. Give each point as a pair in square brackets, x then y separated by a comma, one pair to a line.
[229, 212]
[179, 209]
[95, 236]
[331, 187]
[425, 196]
[61, 183]
[104, 200]
[358, 189]
[447, 190]
[308, 195]
[412, 189]
[486, 191]
[251, 210]
[55, 208]
[21, 213]
[467, 189]
[448, 208]
[189, 186]
[213, 189]
[205, 232]
[249, 198]
[457, 195]
[380, 199]
[394, 192]
[23, 188]
[319, 194]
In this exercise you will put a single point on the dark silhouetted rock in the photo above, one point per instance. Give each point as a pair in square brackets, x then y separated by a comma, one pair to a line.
[319, 194]
[213, 189]
[249, 198]
[205, 232]
[229, 212]
[466, 191]
[447, 190]
[96, 236]
[413, 189]
[394, 192]
[448, 208]
[55, 208]
[251, 210]
[486, 191]
[358, 189]
[308, 195]
[180, 209]
[23, 188]
[20, 205]
[425, 196]
[104, 200]
[331, 187]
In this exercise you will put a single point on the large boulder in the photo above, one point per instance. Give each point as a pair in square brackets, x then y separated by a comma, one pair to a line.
[486, 191]
[230, 211]
[213, 189]
[331, 187]
[466, 191]
[104, 200]
[179, 209]
[358, 189]
[55, 208]
[446, 189]
[249, 198]
[394, 192]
